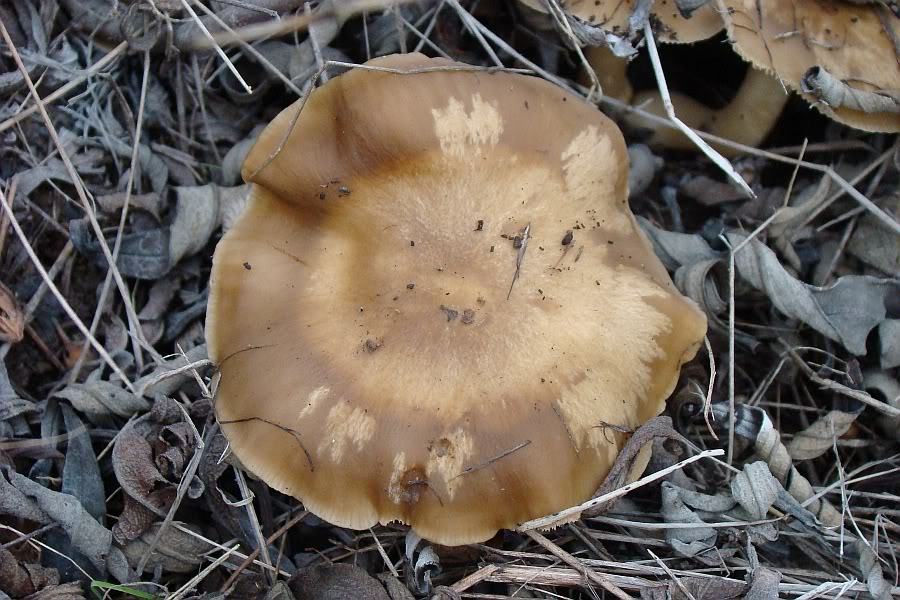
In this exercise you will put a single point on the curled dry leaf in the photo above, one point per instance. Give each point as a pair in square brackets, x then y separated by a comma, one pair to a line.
[150, 254]
[686, 541]
[12, 317]
[819, 437]
[755, 489]
[211, 470]
[428, 565]
[98, 400]
[88, 537]
[175, 552]
[887, 388]
[148, 459]
[845, 311]
[23, 579]
[11, 405]
[873, 243]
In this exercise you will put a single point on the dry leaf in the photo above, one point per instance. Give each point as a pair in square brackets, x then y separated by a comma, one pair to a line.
[156, 441]
[845, 311]
[98, 399]
[686, 541]
[66, 591]
[88, 536]
[19, 580]
[175, 552]
[151, 253]
[819, 437]
[336, 582]
[755, 489]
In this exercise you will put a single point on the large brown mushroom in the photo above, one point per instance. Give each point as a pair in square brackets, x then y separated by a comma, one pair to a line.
[438, 308]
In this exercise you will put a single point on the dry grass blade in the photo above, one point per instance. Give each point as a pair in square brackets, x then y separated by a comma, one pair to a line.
[73, 83]
[593, 576]
[341, 12]
[708, 150]
[12, 317]
[79, 188]
[59, 296]
[187, 6]
[573, 512]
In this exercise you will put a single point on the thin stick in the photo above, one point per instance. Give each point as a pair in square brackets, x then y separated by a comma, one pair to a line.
[494, 459]
[731, 409]
[251, 558]
[562, 22]
[851, 191]
[247, 495]
[240, 555]
[520, 256]
[79, 186]
[274, 28]
[68, 87]
[59, 296]
[468, 19]
[123, 219]
[204, 573]
[594, 576]
[707, 404]
[251, 50]
[672, 576]
[384, 556]
[215, 46]
[568, 513]
[708, 150]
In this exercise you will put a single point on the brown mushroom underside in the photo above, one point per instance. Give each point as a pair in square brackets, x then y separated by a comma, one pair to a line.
[371, 363]
[855, 43]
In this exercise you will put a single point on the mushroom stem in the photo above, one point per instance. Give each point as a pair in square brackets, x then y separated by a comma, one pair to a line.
[747, 119]
[611, 71]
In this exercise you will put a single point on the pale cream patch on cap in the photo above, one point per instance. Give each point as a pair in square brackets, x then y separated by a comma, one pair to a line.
[346, 426]
[447, 455]
[313, 400]
[590, 174]
[459, 132]
[630, 329]
[395, 488]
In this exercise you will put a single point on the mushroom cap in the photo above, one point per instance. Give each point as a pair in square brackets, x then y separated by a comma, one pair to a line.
[669, 25]
[849, 41]
[370, 361]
